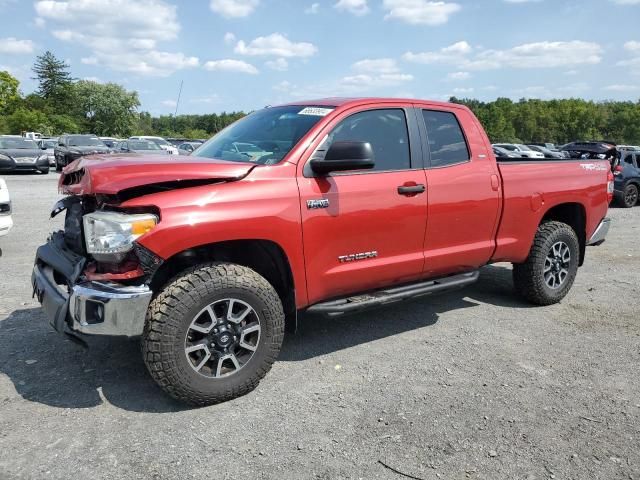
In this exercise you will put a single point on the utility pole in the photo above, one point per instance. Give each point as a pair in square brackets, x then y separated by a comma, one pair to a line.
[175, 114]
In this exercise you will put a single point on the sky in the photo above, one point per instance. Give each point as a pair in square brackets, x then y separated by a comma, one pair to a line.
[245, 54]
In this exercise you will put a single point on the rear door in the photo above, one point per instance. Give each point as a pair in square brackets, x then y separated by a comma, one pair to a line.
[464, 192]
[361, 229]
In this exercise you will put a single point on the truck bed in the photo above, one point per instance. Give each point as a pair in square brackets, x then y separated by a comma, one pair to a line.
[532, 187]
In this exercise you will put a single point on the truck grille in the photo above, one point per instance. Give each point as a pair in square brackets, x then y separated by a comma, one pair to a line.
[73, 177]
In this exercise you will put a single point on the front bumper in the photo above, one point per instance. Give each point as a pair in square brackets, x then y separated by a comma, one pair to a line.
[91, 308]
[600, 234]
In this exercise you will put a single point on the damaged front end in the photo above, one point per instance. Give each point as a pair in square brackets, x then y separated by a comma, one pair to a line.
[99, 287]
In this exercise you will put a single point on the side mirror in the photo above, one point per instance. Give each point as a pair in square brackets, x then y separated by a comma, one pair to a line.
[344, 156]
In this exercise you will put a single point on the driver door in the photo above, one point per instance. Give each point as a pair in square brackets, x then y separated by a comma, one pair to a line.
[360, 231]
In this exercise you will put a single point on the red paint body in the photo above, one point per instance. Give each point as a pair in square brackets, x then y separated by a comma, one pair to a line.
[471, 214]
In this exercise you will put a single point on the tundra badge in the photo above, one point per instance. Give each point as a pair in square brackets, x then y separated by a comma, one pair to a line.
[322, 203]
[357, 256]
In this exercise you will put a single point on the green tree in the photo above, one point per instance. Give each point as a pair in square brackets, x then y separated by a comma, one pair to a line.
[105, 109]
[54, 79]
[23, 120]
[9, 93]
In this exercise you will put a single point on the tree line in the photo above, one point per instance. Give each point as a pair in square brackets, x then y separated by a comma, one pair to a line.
[63, 104]
[557, 121]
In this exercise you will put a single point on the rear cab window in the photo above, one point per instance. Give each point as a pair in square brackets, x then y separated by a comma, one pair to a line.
[447, 143]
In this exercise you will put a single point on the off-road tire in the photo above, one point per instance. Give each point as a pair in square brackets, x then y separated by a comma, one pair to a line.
[528, 277]
[629, 197]
[171, 312]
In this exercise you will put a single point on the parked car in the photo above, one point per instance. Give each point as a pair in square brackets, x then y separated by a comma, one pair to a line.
[549, 146]
[503, 152]
[209, 257]
[187, 148]
[591, 150]
[162, 143]
[49, 145]
[144, 147]
[18, 154]
[628, 148]
[72, 147]
[520, 149]
[547, 152]
[109, 141]
[627, 180]
[6, 223]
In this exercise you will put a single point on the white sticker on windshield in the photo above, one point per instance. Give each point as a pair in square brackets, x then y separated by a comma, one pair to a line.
[315, 111]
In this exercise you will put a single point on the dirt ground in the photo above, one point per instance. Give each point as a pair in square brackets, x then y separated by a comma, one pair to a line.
[470, 385]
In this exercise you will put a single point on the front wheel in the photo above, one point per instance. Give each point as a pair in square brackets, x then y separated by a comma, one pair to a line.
[213, 333]
[549, 271]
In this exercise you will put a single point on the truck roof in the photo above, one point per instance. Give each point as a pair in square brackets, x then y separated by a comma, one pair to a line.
[354, 101]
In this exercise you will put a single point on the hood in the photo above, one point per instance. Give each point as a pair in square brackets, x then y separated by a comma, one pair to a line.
[22, 152]
[111, 174]
[89, 148]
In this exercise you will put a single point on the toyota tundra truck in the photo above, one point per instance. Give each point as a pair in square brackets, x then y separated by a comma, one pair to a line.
[328, 206]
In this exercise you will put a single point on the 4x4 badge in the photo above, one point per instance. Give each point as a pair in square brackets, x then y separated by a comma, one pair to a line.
[322, 203]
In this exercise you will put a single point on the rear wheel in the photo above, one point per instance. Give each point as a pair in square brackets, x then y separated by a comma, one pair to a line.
[549, 271]
[213, 333]
[58, 165]
[629, 196]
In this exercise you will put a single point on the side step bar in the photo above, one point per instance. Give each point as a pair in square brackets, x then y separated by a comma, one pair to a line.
[389, 295]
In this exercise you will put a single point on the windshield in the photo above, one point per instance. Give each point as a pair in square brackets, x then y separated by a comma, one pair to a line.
[143, 145]
[17, 143]
[82, 141]
[264, 137]
[49, 143]
[524, 148]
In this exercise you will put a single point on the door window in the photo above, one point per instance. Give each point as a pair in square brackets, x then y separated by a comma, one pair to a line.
[386, 131]
[447, 144]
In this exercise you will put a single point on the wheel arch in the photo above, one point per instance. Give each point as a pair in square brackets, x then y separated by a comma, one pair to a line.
[265, 257]
[573, 214]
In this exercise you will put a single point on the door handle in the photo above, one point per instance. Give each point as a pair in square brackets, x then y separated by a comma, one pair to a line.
[411, 189]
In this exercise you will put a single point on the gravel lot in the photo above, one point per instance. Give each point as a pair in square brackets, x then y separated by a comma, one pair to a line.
[474, 384]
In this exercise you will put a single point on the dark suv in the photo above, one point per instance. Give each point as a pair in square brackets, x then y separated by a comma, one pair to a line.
[627, 179]
[72, 147]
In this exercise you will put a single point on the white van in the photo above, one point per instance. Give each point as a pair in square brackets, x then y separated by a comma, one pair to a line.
[5, 209]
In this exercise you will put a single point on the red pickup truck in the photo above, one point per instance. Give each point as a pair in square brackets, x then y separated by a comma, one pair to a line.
[330, 206]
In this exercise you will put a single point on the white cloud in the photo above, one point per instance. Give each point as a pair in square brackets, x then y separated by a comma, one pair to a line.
[632, 46]
[377, 65]
[312, 9]
[626, 2]
[530, 55]
[455, 54]
[522, 1]
[356, 7]
[622, 88]
[275, 44]
[420, 12]
[463, 91]
[229, 65]
[229, 38]
[459, 76]
[169, 103]
[214, 98]
[89, 60]
[15, 46]
[123, 42]
[279, 64]
[234, 8]
[368, 81]
[93, 79]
